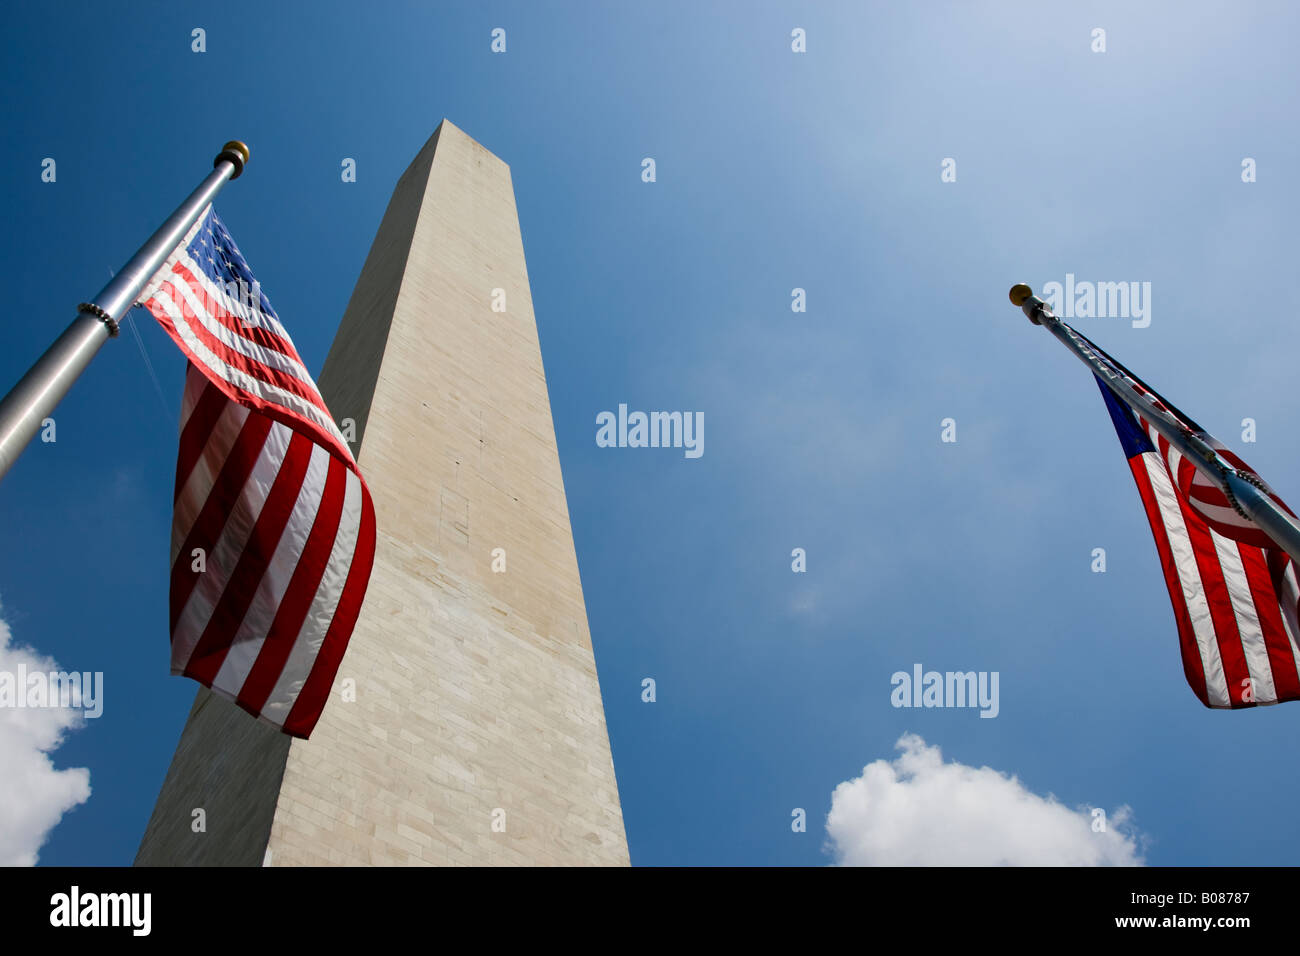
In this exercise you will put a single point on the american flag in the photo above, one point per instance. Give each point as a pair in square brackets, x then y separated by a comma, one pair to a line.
[273, 528]
[1235, 594]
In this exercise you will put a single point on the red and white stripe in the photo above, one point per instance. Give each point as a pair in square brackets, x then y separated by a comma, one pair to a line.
[1237, 605]
[268, 493]
[1200, 488]
[1213, 505]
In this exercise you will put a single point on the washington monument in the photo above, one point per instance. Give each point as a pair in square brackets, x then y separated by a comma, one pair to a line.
[466, 723]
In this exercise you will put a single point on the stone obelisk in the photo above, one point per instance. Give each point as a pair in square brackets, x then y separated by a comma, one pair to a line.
[466, 724]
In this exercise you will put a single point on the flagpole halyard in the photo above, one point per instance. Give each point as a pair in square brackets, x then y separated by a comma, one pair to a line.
[1241, 491]
[37, 393]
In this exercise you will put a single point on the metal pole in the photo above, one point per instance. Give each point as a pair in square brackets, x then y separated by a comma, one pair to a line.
[38, 392]
[1251, 501]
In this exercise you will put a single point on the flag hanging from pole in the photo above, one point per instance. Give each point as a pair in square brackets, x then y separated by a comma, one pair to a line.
[1204, 491]
[273, 528]
[1235, 595]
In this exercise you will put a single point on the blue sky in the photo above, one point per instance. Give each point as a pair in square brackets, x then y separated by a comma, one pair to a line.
[775, 170]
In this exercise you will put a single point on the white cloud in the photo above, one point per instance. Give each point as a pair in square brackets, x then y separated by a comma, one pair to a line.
[920, 811]
[33, 794]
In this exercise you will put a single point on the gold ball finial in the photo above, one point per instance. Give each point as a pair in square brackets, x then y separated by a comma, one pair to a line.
[1020, 294]
[235, 153]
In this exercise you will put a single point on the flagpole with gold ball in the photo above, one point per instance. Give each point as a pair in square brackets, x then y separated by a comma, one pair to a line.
[1249, 500]
[30, 402]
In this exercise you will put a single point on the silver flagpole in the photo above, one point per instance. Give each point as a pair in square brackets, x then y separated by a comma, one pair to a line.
[1249, 500]
[37, 393]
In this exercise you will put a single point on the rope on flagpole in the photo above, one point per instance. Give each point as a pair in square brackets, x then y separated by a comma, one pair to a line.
[113, 327]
